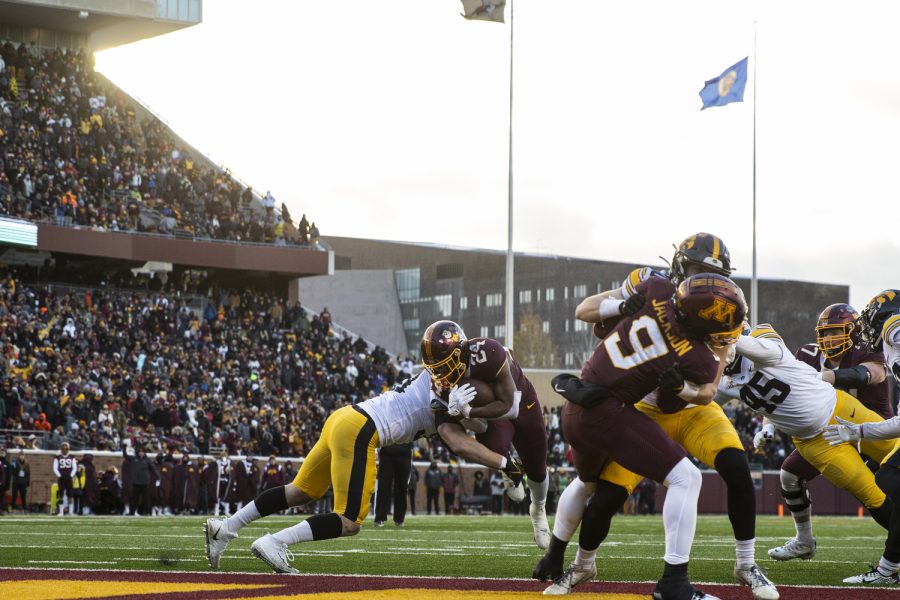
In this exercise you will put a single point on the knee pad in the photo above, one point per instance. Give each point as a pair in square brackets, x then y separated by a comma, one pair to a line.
[795, 492]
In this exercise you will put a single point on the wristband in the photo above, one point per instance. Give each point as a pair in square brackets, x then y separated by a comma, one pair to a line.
[689, 392]
[609, 308]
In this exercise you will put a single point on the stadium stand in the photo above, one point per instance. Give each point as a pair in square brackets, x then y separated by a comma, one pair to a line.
[74, 153]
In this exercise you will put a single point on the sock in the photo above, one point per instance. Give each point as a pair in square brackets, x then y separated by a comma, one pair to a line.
[887, 567]
[675, 571]
[803, 524]
[300, 532]
[570, 508]
[557, 547]
[680, 510]
[246, 515]
[539, 491]
[745, 552]
[585, 558]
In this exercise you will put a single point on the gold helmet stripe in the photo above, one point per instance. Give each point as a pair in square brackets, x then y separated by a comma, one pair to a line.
[716, 248]
[890, 326]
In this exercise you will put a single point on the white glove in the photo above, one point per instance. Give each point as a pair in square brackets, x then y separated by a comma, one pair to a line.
[844, 431]
[764, 436]
[460, 397]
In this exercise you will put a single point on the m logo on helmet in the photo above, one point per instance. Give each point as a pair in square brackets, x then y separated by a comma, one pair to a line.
[720, 310]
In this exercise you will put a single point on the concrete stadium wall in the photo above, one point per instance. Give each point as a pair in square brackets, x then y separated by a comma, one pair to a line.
[365, 302]
[827, 499]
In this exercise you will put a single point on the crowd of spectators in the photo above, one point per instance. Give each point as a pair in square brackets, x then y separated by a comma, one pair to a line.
[74, 152]
[250, 372]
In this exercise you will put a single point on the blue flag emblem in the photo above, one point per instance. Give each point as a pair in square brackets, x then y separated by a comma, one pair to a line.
[727, 87]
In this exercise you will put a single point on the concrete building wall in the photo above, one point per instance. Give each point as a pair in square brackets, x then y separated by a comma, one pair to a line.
[365, 302]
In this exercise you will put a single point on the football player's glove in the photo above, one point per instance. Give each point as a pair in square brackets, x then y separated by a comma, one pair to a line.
[671, 379]
[764, 436]
[632, 304]
[459, 399]
[577, 391]
[844, 431]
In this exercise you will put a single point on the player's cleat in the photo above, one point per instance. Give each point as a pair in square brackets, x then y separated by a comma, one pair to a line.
[794, 548]
[569, 579]
[876, 577]
[217, 537]
[274, 553]
[760, 585]
[679, 589]
[512, 475]
[548, 568]
[379, 523]
[540, 526]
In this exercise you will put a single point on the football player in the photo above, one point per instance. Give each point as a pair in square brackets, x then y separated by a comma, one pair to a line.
[343, 458]
[64, 467]
[672, 339]
[703, 430]
[514, 417]
[880, 331]
[847, 364]
[771, 381]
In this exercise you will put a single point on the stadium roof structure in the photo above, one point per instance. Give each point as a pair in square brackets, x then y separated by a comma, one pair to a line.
[103, 23]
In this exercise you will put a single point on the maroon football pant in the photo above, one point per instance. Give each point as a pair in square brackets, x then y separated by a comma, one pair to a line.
[618, 432]
[526, 432]
[64, 486]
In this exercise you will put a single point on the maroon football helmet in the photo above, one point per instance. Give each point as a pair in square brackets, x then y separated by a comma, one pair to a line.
[712, 308]
[445, 353]
[837, 330]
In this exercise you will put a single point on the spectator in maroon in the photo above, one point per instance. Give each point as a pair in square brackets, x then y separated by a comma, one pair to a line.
[273, 475]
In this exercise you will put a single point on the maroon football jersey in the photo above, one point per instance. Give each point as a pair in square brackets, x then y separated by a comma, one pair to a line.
[486, 359]
[631, 358]
[873, 397]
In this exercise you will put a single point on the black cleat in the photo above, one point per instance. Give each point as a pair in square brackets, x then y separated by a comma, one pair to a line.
[679, 589]
[549, 568]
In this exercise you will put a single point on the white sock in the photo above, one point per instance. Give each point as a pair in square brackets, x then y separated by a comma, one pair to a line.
[887, 567]
[503, 462]
[585, 558]
[570, 508]
[539, 491]
[680, 510]
[300, 532]
[242, 518]
[745, 552]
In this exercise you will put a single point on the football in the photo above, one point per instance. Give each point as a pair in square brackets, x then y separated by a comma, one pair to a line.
[484, 393]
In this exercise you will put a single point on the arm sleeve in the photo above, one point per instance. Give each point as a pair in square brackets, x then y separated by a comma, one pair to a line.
[56, 467]
[74, 469]
[882, 430]
[764, 352]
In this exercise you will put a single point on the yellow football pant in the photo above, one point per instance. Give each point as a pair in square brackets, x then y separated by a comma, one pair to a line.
[343, 457]
[842, 465]
[703, 431]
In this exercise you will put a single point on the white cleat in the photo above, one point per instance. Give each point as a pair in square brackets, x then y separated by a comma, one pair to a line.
[876, 577]
[760, 585]
[794, 548]
[217, 537]
[515, 491]
[274, 553]
[540, 526]
[569, 579]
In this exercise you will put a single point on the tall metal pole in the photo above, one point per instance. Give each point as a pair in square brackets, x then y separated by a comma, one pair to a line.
[754, 282]
[510, 329]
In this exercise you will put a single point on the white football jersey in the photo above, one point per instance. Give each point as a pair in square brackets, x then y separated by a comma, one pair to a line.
[402, 414]
[771, 381]
[890, 335]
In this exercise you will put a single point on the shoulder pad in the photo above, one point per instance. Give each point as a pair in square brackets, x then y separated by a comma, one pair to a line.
[764, 330]
[891, 328]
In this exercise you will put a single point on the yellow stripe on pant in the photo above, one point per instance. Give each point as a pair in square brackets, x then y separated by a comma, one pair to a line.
[343, 457]
[703, 431]
[842, 465]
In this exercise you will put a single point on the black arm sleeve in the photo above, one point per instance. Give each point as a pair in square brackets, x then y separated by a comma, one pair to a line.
[852, 377]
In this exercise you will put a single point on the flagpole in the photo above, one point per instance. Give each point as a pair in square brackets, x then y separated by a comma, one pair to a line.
[754, 282]
[509, 238]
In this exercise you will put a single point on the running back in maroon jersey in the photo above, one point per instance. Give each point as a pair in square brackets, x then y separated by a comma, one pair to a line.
[874, 397]
[631, 358]
[486, 359]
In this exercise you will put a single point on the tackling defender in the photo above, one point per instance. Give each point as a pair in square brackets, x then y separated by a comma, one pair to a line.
[847, 364]
[880, 330]
[344, 458]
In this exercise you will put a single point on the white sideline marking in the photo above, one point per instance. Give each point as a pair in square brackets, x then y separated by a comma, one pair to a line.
[73, 562]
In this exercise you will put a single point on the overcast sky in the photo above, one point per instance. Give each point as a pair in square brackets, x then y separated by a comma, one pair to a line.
[390, 120]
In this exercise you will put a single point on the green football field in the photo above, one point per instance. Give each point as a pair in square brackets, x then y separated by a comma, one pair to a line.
[446, 546]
